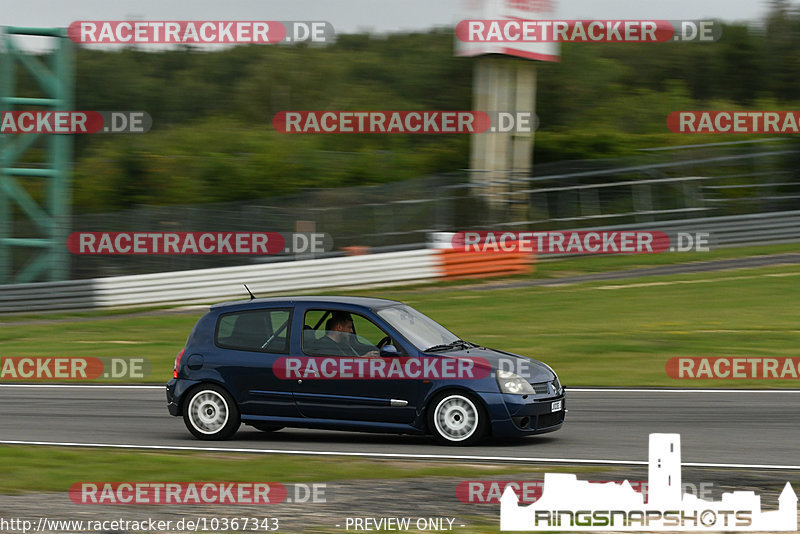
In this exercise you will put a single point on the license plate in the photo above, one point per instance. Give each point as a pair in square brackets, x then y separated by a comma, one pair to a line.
[556, 406]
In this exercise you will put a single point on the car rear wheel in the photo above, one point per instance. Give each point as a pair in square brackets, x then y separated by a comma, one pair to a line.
[211, 413]
[457, 419]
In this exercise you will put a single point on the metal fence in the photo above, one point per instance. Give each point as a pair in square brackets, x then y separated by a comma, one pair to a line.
[393, 268]
[730, 231]
[668, 184]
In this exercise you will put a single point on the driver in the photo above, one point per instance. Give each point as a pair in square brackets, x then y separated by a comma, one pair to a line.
[339, 331]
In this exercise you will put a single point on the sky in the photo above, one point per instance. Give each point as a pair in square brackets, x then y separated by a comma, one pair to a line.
[349, 16]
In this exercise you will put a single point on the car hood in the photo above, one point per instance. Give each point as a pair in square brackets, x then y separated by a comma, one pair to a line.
[532, 370]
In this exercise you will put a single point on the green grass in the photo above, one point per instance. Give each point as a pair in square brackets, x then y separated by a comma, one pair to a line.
[554, 268]
[39, 469]
[546, 267]
[614, 333]
[621, 333]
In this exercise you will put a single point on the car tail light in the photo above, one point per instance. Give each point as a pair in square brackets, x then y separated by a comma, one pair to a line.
[177, 364]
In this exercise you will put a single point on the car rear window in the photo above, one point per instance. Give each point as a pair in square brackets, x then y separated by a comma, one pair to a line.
[255, 330]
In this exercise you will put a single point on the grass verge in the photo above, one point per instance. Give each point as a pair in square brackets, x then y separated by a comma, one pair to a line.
[44, 469]
[614, 333]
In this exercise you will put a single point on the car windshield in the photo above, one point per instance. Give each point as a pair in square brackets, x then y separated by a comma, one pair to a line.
[422, 331]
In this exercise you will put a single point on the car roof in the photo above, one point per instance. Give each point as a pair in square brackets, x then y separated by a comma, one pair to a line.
[365, 302]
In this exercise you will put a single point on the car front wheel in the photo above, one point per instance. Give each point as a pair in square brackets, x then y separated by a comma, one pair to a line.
[457, 419]
[211, 413]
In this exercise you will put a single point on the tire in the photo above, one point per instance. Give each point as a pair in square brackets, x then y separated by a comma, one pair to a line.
[210, 413]
[265, 427]
[457, 418]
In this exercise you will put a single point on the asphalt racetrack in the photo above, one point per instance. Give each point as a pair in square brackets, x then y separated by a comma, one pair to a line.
[754, 429]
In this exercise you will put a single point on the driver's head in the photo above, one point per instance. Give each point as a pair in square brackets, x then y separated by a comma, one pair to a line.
[339, 326]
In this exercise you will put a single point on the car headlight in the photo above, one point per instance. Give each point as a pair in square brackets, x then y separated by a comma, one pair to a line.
[513, 383]
[557, 387]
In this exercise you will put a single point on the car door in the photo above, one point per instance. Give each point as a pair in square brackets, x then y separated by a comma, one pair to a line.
[357, 399]
[252, 341]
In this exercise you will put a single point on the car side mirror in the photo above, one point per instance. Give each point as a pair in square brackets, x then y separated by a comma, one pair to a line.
[389, 351]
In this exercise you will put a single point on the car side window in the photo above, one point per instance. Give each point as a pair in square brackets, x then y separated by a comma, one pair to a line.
[338, 333]
[255, 330]
[367, 331]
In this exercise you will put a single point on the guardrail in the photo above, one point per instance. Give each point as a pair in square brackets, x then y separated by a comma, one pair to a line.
[733, 230]
[457, 264]
[212, 285]
[209, 285]
[391, 268]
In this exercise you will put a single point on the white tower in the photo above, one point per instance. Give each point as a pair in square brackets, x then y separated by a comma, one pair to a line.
[787, 506]
[664, 471]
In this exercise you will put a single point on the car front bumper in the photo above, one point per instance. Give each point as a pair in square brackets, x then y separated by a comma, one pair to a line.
[524, 415]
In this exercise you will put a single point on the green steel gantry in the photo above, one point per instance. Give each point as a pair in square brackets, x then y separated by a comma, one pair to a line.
[49, 208]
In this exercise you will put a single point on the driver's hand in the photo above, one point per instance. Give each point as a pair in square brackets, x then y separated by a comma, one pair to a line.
[372, 354]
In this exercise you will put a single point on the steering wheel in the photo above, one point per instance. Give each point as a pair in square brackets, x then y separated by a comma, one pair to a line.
[383, 342]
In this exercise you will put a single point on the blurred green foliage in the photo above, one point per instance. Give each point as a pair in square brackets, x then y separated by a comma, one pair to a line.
[212, 138]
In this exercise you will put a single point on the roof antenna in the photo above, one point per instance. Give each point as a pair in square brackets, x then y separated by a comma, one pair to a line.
[250, 292]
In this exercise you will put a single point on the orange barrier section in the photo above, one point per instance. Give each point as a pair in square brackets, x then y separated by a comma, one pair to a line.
[356, 250]
[454, 264]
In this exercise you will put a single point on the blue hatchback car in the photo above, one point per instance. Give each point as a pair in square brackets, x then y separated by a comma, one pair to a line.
[352, 363]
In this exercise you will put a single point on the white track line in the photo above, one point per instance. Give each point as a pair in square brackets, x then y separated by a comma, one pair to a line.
[79, 386]
[673, 390]
[391, 455]
[568, 389]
